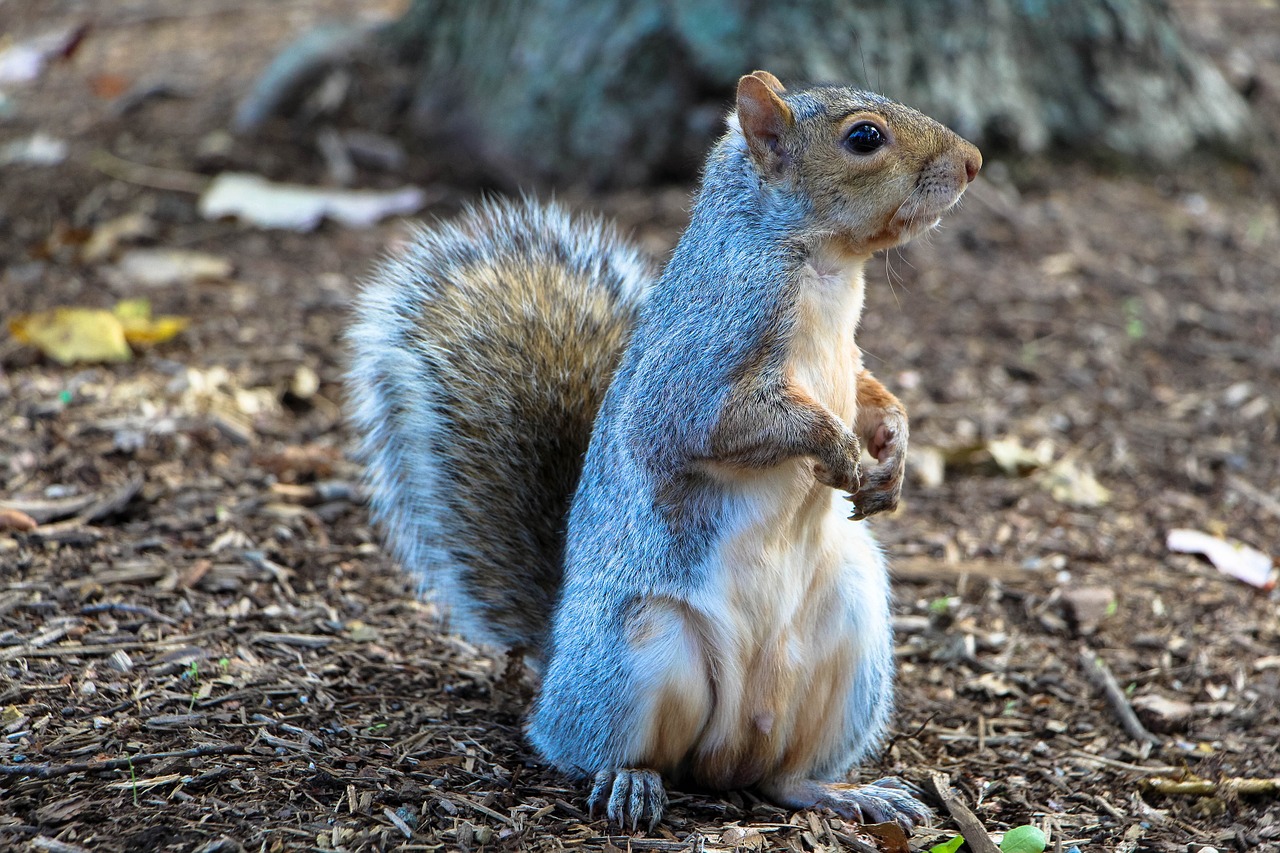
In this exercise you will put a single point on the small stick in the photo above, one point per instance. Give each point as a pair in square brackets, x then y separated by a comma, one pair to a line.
[155, 177]
[1209, 788]
[975, 834]
[129, 609]
[51, 771]
[1153, 770]
[1099, 674]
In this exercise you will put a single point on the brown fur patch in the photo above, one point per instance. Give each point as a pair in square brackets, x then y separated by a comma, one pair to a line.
[872, 395]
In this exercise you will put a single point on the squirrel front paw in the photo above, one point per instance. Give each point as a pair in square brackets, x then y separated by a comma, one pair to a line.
[840, 467]
[882, 488]
[631, 798]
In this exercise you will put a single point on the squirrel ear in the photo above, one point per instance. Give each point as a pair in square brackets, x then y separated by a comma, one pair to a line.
[769, 80]
[764, 118]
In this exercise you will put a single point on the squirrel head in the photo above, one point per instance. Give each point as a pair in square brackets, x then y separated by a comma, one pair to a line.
[876, 173]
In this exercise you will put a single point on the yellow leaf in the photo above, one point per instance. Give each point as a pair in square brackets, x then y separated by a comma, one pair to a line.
[161, 329]
[133, 312]
[71, 335]
[1073, 483]
[140, 328]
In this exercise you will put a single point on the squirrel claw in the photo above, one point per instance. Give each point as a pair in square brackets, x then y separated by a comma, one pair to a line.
[630, 798]
[841, 470]
[878, 493]
[881, 490]
[879, 802]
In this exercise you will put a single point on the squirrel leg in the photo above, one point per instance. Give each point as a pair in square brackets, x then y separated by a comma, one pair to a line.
[760, 427]
[631, 797]
[879, 802]
[882, 424]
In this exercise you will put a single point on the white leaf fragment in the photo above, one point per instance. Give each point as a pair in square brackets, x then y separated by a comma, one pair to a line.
[23, 62]
[39, 149]
[164, 267]
[1232, 558]
[296, 207]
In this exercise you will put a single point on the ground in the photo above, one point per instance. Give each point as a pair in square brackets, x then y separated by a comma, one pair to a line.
[203, 647]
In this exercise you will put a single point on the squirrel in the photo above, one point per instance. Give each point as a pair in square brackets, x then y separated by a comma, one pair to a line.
[636, 481]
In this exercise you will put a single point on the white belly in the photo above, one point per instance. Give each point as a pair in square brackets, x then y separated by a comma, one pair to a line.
[784, 612]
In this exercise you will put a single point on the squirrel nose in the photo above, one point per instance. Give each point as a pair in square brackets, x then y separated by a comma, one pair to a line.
[972, 163]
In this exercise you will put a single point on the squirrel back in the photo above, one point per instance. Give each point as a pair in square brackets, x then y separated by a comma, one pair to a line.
[480, 354]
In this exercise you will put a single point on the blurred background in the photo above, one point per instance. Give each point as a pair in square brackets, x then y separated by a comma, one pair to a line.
[1089, 350]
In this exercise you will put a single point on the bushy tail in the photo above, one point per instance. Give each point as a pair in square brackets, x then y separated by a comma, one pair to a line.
[480, 356]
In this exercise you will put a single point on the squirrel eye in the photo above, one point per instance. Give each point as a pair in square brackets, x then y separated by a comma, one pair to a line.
[864, 137]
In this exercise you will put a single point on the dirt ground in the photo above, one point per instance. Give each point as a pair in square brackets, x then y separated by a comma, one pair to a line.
[203, 647]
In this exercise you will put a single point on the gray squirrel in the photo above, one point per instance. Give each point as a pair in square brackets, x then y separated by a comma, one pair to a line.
[637, 482]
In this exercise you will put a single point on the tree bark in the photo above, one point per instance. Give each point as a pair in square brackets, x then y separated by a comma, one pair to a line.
[623, 92]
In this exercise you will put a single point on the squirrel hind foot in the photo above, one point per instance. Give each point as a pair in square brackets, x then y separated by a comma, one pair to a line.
[881, 801]
[630, 797]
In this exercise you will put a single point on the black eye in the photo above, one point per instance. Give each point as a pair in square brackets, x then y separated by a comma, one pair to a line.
[864, 137]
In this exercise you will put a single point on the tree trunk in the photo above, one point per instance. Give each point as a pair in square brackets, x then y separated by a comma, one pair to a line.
[627, 91]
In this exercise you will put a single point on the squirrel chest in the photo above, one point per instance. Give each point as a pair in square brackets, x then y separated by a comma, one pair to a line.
[822, 357]
[774, 634]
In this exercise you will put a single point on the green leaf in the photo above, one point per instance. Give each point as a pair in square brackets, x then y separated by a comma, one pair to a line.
[1024, 839]
[948, 846]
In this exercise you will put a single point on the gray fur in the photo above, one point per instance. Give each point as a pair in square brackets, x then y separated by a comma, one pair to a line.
[473, 406]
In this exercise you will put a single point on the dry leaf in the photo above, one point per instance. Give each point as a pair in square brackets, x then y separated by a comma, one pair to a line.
[1232, 558]
[1003, 455]
[162, 267]
[94, 335]
[1073, 483]
[889, 837]
[74, 335]
[108, 236]
[1015, 460]
[992, 684]
[928, 465]
[300, 208]
[1063, 263]
[141, 329]
[742, 838]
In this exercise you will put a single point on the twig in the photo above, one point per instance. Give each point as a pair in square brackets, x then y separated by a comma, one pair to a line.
[51, 771]
[147, 176]
[483, 809]
[975, 834]
[399, 822]
[1208, 788]
[1155, 770]
[130, 609]
[1099, 675]
[113, 503]
[91, 649]
[851, 843]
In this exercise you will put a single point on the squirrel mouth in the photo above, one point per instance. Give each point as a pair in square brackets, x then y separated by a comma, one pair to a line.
[924, 208]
